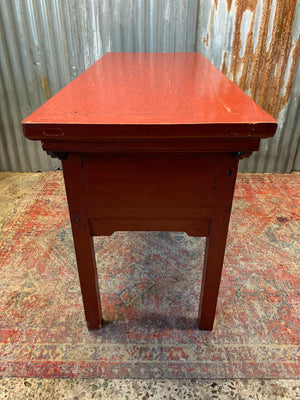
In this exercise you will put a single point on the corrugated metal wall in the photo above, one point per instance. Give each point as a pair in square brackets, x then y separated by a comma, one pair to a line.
[44, 44]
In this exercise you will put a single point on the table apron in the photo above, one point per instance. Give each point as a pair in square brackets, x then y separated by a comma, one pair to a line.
[153, 146]
[151, 193]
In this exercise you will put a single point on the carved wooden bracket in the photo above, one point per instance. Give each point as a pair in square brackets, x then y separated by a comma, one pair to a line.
[241, 154]
[61, 155]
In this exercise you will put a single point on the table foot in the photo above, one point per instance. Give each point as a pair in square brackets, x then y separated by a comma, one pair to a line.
[94, 325]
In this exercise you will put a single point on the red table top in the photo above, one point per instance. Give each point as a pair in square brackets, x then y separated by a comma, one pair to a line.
[149, 95]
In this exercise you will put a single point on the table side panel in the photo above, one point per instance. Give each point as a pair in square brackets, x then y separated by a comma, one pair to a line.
[150, 193]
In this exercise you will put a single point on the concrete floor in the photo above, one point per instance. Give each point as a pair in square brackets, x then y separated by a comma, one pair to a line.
[13, 188]
[125, 389]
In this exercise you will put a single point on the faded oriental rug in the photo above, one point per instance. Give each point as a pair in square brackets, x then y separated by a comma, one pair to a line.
[150, 285]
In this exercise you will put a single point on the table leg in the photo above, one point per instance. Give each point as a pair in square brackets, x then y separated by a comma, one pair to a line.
[212, 271]
[83, 241]
[216, 241]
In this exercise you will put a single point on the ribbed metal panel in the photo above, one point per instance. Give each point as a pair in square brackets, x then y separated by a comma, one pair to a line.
[44, 44]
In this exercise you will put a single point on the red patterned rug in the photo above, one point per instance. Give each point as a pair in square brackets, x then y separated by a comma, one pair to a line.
[150, 284]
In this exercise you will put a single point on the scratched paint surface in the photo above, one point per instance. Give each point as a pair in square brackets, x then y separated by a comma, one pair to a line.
[150, 284]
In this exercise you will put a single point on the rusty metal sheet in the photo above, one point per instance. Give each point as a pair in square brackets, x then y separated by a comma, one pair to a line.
[44, 44]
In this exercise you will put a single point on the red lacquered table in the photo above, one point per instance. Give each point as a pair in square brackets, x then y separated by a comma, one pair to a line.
[150, 142]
